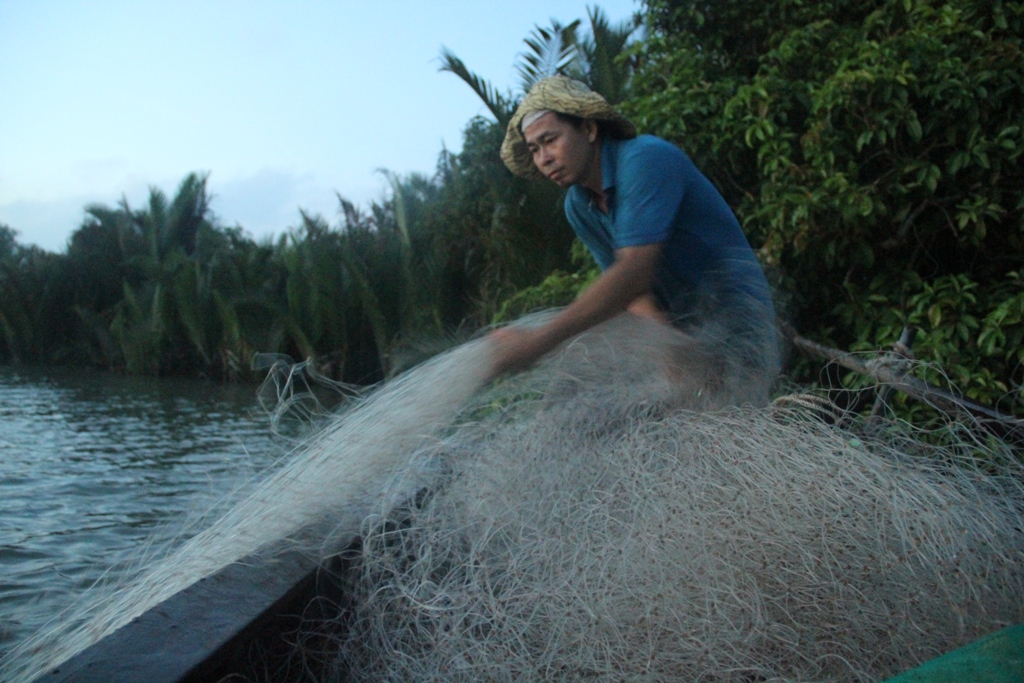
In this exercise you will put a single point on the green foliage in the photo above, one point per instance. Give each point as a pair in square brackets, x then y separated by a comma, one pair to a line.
[163, 290]
[601, 55]
[552, 51]
[501, 232]
[560, 288]
[872, 152]
[597, 58]
[167, 314]
[973, 335]
[514, 231]
[501, 106]
[31, 287]
[871, 149]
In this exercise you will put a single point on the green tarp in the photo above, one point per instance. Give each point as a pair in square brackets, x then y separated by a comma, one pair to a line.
[997, 658]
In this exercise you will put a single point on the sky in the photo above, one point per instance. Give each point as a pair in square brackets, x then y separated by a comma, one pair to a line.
[284, 104]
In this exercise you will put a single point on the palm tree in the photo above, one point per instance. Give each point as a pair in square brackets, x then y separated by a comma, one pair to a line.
[595, 58]
[552, 51]
[524, 235]
[16, 326]
[599, 56]
[163, 321]
[502, 106]
[35, 301]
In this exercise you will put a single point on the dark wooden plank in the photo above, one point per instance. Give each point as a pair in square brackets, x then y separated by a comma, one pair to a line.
[203, 632]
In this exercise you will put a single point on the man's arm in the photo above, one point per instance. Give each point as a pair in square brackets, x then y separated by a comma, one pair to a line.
[647, 306]
[629, 278]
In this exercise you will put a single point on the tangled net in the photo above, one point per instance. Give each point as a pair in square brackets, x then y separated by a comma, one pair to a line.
[596, 520]
[632, 509]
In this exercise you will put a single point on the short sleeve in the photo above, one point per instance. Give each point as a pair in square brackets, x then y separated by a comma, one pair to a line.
[587, 228]
[650, 184]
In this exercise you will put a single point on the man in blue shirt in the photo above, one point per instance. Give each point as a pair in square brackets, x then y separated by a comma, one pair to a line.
[668, 245]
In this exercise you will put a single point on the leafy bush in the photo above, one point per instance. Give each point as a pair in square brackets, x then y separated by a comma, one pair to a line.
[558, 289]
[872, 153]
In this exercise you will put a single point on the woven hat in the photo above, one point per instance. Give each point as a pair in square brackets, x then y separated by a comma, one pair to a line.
[565, 96]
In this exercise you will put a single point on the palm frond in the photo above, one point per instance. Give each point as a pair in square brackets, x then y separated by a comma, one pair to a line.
[600, 64]
[552, 51]
[153, 224]
[187, 293]
[502, 107]
[371, 306]
[187, 212]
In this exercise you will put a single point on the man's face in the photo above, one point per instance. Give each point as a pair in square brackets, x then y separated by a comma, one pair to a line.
[564, 153]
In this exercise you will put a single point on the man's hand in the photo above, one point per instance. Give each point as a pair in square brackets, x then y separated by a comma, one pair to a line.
[514, 350]
[647, 307]
[626, 282]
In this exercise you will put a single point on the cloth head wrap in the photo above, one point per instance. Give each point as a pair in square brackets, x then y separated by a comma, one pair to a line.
[565, 96]
[530, 118]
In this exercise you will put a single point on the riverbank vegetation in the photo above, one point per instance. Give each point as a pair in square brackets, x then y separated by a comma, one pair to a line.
[870, 148]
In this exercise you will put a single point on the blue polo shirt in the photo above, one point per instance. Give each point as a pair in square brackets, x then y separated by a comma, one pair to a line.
[656, 195]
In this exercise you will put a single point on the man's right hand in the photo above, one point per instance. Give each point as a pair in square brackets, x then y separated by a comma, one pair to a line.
[514, 350]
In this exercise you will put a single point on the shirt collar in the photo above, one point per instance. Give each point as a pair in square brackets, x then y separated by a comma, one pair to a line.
[609, 149]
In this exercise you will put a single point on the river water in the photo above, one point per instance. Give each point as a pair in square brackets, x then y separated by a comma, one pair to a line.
[94, 467]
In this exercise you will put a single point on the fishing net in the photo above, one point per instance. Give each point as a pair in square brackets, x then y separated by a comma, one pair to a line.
[626, 513]
[634, 508]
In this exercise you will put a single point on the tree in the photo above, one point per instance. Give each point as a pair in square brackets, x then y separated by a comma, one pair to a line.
[32, 295]
[518, 229]
[553, 51]
[873, 145]
[600, 59]
[597, 59]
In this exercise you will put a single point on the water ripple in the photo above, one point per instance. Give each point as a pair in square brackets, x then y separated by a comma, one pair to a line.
[93, 467]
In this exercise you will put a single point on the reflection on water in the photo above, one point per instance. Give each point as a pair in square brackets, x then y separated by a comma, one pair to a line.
[92, 465]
